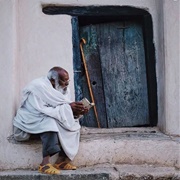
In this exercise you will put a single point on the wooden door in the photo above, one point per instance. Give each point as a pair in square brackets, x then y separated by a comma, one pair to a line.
[115, 57]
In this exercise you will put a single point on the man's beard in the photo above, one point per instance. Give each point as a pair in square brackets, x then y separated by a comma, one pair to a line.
[61, 89]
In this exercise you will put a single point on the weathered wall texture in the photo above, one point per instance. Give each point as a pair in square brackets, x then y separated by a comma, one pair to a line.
[172, 65]
[160, 67]
[32, 42]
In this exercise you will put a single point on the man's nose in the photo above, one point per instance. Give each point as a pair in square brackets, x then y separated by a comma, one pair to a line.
[67, 83]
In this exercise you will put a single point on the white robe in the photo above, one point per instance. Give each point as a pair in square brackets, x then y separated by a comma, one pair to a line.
[45, 109]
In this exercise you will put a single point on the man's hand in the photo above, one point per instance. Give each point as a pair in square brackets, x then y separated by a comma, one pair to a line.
[78, 108]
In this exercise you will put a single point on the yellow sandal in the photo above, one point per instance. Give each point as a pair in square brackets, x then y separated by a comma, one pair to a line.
[65, 166]
[48, 169]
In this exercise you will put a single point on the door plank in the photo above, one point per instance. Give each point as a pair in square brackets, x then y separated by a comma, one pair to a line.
[135, 56]
[89, 33]
[116, 61]
[124, 74]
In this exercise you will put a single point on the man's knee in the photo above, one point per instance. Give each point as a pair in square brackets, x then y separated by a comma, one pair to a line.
[20, 135]
[50, 143]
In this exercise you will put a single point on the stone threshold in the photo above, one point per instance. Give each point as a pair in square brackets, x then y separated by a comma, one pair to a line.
[100, 132]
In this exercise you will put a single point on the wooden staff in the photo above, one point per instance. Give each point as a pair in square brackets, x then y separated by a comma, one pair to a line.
[83, 41]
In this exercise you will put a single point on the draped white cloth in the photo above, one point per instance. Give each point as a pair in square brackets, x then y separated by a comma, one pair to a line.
[43, 109]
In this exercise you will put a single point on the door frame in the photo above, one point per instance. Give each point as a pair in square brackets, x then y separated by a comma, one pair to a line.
[87, 14]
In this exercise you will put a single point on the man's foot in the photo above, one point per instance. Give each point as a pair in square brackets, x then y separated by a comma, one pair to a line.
[65, 166]
[48, 169]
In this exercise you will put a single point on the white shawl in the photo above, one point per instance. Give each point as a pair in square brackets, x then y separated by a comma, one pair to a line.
[45, 109]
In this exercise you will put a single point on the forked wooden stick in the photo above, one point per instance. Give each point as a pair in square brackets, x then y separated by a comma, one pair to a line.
[82, 42]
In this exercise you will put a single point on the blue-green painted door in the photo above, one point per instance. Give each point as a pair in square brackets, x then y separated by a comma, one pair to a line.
[115, 57]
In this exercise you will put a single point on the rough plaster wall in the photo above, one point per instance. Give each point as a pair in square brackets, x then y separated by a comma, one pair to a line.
[167, 38]
[8, 55]
[172, 68]
[160, 67]
[45, 41]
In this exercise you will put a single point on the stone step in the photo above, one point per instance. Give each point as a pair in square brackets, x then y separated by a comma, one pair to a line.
[100, 172]
[113, 146]
[127, 146]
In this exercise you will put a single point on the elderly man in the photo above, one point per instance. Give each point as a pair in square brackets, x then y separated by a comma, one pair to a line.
[46, 109]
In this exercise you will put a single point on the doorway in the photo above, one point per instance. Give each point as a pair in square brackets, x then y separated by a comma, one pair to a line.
[120, 57]
[115, 57]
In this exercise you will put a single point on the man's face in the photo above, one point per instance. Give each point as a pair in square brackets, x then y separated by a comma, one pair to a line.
[64, 79]
[63, 82]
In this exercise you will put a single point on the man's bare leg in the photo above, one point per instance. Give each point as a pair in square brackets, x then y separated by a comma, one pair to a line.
[61, 159]
[46, 167]
[45, 160]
